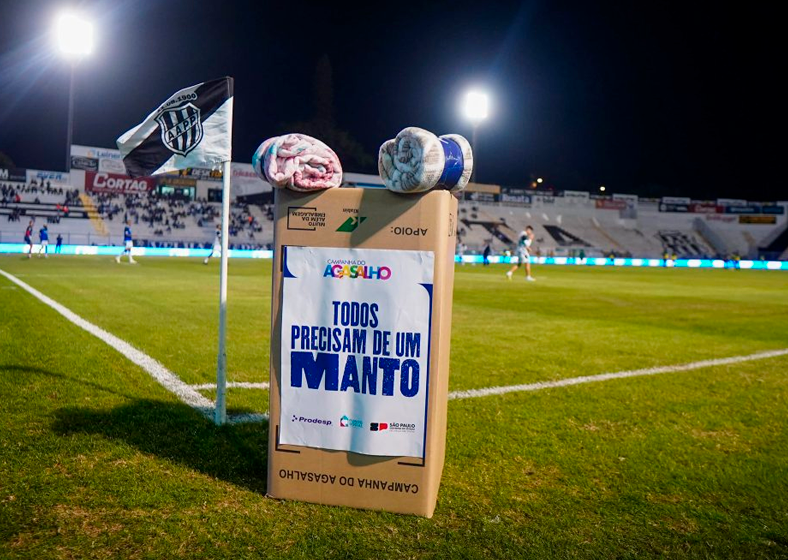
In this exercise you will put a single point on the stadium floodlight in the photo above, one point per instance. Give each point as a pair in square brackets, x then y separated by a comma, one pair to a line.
[74, 35]
[540, 180]
[602, 188]
[476, 108]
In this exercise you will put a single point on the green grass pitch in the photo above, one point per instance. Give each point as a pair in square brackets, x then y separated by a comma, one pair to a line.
[98, 461]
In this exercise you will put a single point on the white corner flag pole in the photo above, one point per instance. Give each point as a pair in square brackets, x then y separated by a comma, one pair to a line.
[220, 413]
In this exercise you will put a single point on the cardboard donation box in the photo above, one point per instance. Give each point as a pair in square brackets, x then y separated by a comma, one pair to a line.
[360, 333]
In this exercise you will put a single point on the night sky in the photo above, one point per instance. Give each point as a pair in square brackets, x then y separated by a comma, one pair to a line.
[645, 98]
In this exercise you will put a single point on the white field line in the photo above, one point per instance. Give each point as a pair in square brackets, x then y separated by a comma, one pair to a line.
[231, 385]
[247, 418]
[474, 393]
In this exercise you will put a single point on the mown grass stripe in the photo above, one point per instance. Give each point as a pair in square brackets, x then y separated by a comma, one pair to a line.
[155, 369]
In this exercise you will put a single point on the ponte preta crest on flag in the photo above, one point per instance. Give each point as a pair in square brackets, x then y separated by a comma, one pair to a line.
[192, 128]
[181, 128]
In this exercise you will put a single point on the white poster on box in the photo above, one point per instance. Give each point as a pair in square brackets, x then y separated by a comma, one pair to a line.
[355, 349]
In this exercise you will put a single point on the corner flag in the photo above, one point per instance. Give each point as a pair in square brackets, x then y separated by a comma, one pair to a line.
[193, 128]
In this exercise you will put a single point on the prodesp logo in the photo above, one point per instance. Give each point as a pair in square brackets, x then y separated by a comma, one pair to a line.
[409, 231]
[307, 420]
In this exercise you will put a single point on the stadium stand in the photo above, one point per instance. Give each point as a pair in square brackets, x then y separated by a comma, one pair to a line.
[160, 221]
[157, 221]
[776, 244]
[563, 225]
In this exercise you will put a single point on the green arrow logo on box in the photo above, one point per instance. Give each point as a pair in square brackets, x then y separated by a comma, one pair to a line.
[351, 224]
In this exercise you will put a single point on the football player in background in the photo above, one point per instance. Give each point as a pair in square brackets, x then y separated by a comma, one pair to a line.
[29, 239]
[43, 237]
[524, 253]
[128, 242]
[217, 244]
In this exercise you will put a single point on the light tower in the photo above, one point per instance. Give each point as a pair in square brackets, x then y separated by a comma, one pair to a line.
[476, 108]
[74, 37]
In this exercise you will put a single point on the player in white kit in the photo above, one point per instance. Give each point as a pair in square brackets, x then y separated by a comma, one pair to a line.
[524, 253]
[217, 244]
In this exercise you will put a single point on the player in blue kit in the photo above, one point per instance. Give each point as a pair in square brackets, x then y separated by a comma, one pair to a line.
[43, 237]
[128, 244]
[29, 239]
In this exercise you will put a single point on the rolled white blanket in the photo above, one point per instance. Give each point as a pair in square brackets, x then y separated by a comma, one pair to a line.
[297, 162]
[418, 161]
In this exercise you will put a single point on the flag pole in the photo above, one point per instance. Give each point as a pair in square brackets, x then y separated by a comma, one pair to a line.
[220, 413]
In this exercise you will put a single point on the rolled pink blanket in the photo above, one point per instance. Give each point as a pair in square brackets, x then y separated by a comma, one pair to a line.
[298, 162]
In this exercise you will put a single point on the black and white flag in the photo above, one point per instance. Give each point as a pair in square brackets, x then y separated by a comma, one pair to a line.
[193, 128]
